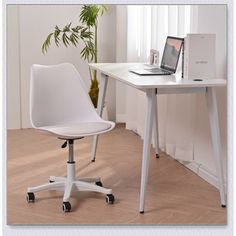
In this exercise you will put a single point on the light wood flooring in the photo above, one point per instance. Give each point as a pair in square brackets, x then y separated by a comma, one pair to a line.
[175, 195]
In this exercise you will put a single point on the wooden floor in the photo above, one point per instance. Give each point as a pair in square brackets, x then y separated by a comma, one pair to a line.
[175, 195]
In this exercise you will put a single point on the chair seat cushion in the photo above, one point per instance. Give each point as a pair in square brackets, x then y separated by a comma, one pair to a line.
[77, 130]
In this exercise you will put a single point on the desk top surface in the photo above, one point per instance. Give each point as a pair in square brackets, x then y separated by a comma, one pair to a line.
[120, 72]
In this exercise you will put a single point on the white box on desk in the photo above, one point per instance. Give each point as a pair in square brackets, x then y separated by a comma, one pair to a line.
[199, 56]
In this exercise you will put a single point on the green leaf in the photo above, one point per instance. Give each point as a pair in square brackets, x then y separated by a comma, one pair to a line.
[86, 34]
[57, 28]
[67, 28]
[89, 15]
[46, 43]
[76, 36]
[56, 37]
[84, 53]
[73, 39]
[103, 9]
[65, 39]
[77, 28]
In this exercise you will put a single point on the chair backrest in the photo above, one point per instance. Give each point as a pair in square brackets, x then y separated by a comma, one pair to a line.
[58, 96]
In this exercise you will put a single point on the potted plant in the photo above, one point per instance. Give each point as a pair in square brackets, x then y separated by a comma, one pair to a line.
[87, 33]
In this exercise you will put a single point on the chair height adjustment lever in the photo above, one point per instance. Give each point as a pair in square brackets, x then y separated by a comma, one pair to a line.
[64, 144]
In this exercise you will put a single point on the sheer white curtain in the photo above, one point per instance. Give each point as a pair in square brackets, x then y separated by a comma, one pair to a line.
[148, 27]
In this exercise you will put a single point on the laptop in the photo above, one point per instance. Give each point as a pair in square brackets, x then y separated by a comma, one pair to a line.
[169, 59]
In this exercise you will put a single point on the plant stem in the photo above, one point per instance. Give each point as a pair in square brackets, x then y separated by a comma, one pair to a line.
[90, 72]
[96, 49]
[96, 43]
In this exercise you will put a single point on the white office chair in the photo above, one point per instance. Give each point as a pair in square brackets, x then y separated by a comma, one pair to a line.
[60, 105]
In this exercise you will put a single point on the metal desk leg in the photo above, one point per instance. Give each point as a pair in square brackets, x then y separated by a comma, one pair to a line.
[150, 96]
[101, 99]
[155, 127]
[215, 135]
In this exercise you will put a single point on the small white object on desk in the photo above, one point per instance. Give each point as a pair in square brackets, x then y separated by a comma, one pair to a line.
[199, 56]
[153, 58]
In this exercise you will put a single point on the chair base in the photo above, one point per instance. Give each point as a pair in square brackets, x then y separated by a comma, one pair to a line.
[69, 184]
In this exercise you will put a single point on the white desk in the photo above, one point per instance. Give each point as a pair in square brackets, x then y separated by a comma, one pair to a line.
[152, 85]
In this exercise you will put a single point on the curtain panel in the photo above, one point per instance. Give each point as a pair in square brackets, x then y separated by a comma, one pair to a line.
[148, 27]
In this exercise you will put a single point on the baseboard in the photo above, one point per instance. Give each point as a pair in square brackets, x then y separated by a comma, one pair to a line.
[120, 118]
[204, 173]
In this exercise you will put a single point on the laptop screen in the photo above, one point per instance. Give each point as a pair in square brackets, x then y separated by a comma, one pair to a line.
[171, 53]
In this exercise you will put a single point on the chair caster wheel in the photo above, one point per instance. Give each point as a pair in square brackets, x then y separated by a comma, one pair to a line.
[51, 181]
[110, 198]
[66, 207]
[223, 206]
[157, 156]
[30, 197]
[99, 183]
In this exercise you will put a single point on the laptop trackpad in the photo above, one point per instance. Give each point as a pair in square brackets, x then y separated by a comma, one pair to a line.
[149, 72]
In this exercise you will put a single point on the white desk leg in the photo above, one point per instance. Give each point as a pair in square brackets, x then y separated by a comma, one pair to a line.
[150, 96]
[155, 127]
[101, 99]
[215, 135]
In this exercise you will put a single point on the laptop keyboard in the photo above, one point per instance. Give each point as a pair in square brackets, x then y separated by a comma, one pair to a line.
[158, 70]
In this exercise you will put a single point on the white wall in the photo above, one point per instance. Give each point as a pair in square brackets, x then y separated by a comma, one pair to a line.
[121, 56]
[27, 31]
[107, 53]
[13, 71]
[212, 19]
